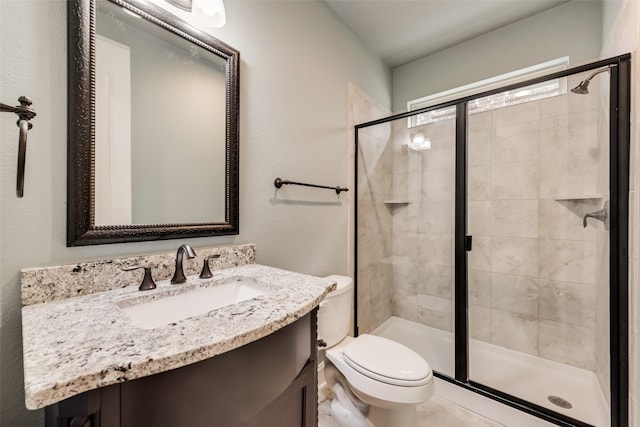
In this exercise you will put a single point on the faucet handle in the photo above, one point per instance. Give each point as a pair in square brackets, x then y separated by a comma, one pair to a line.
[147, 282]
[206, 271]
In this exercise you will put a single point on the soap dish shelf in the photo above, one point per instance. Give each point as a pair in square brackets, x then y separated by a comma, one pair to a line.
[397, 202]
[580, 198]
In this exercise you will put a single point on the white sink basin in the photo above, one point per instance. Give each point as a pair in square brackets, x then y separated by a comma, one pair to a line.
[160, 312]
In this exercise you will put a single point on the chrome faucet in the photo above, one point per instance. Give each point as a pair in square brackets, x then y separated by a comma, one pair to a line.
[178, 276]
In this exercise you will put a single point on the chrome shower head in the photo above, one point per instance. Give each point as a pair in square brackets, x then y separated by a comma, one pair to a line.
[583, 87]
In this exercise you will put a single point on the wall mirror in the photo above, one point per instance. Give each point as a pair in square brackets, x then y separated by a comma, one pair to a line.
[153, 143]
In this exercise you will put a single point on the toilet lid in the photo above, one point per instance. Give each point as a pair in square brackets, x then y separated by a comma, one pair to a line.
[387, 361]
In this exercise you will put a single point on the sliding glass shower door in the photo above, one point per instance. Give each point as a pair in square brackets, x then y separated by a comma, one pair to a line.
[538, 273]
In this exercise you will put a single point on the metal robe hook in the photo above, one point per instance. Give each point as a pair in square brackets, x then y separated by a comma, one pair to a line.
[25, 114]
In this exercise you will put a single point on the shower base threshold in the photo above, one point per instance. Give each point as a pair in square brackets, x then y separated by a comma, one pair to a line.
[528, 377]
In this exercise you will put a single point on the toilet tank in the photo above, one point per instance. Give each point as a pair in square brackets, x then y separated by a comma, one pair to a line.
[334, 315]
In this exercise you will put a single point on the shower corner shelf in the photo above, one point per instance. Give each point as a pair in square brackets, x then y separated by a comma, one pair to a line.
[580, 198]
[396, 202]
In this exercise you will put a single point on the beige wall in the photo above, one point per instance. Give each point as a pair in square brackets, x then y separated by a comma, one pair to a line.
[296, 60]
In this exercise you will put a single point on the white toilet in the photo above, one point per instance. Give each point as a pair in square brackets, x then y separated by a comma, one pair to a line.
[387, 379]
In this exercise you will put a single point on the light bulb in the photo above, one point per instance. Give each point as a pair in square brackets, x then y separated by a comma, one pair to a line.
[418, 139]
[418, 142]
[209, 13]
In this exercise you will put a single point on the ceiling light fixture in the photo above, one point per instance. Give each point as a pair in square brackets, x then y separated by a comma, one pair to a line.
[208, 13]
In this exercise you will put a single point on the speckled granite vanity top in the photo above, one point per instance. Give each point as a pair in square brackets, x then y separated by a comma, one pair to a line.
[83, 343]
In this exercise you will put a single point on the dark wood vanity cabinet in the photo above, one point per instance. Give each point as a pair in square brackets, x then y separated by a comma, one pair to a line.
[270, 382]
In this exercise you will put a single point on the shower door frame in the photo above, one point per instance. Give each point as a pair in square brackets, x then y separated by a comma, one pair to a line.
[619, 156]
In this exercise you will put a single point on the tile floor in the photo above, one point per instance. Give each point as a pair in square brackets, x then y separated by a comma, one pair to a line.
[435, 412]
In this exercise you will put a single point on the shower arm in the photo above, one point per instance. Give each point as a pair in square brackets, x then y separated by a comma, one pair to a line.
[595, 73]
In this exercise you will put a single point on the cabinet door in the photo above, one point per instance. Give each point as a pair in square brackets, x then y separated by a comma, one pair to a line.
[296, 407]
[222, 391]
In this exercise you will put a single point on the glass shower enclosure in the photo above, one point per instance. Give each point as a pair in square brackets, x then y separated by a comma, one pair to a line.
[492, 240]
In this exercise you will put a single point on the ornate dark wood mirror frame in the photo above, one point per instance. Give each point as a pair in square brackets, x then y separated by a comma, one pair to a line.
[81, 228]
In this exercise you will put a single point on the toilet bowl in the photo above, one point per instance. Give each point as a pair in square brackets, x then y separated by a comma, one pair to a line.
[383, 376]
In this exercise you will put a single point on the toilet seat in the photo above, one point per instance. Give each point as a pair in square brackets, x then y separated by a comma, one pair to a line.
[379, 391]
[387, 361]
[385, 379]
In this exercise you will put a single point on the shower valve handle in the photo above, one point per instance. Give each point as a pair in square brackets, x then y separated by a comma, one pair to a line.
[601, 215]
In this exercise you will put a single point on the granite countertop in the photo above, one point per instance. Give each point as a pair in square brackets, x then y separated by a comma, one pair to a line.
[78, 344]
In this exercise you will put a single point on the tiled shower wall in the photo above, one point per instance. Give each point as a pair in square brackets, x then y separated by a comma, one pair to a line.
[423, 224]
[374, 231]
[532, 271]
[375, 239]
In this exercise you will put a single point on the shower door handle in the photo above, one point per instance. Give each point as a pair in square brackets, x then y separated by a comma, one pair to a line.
[468, 240]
